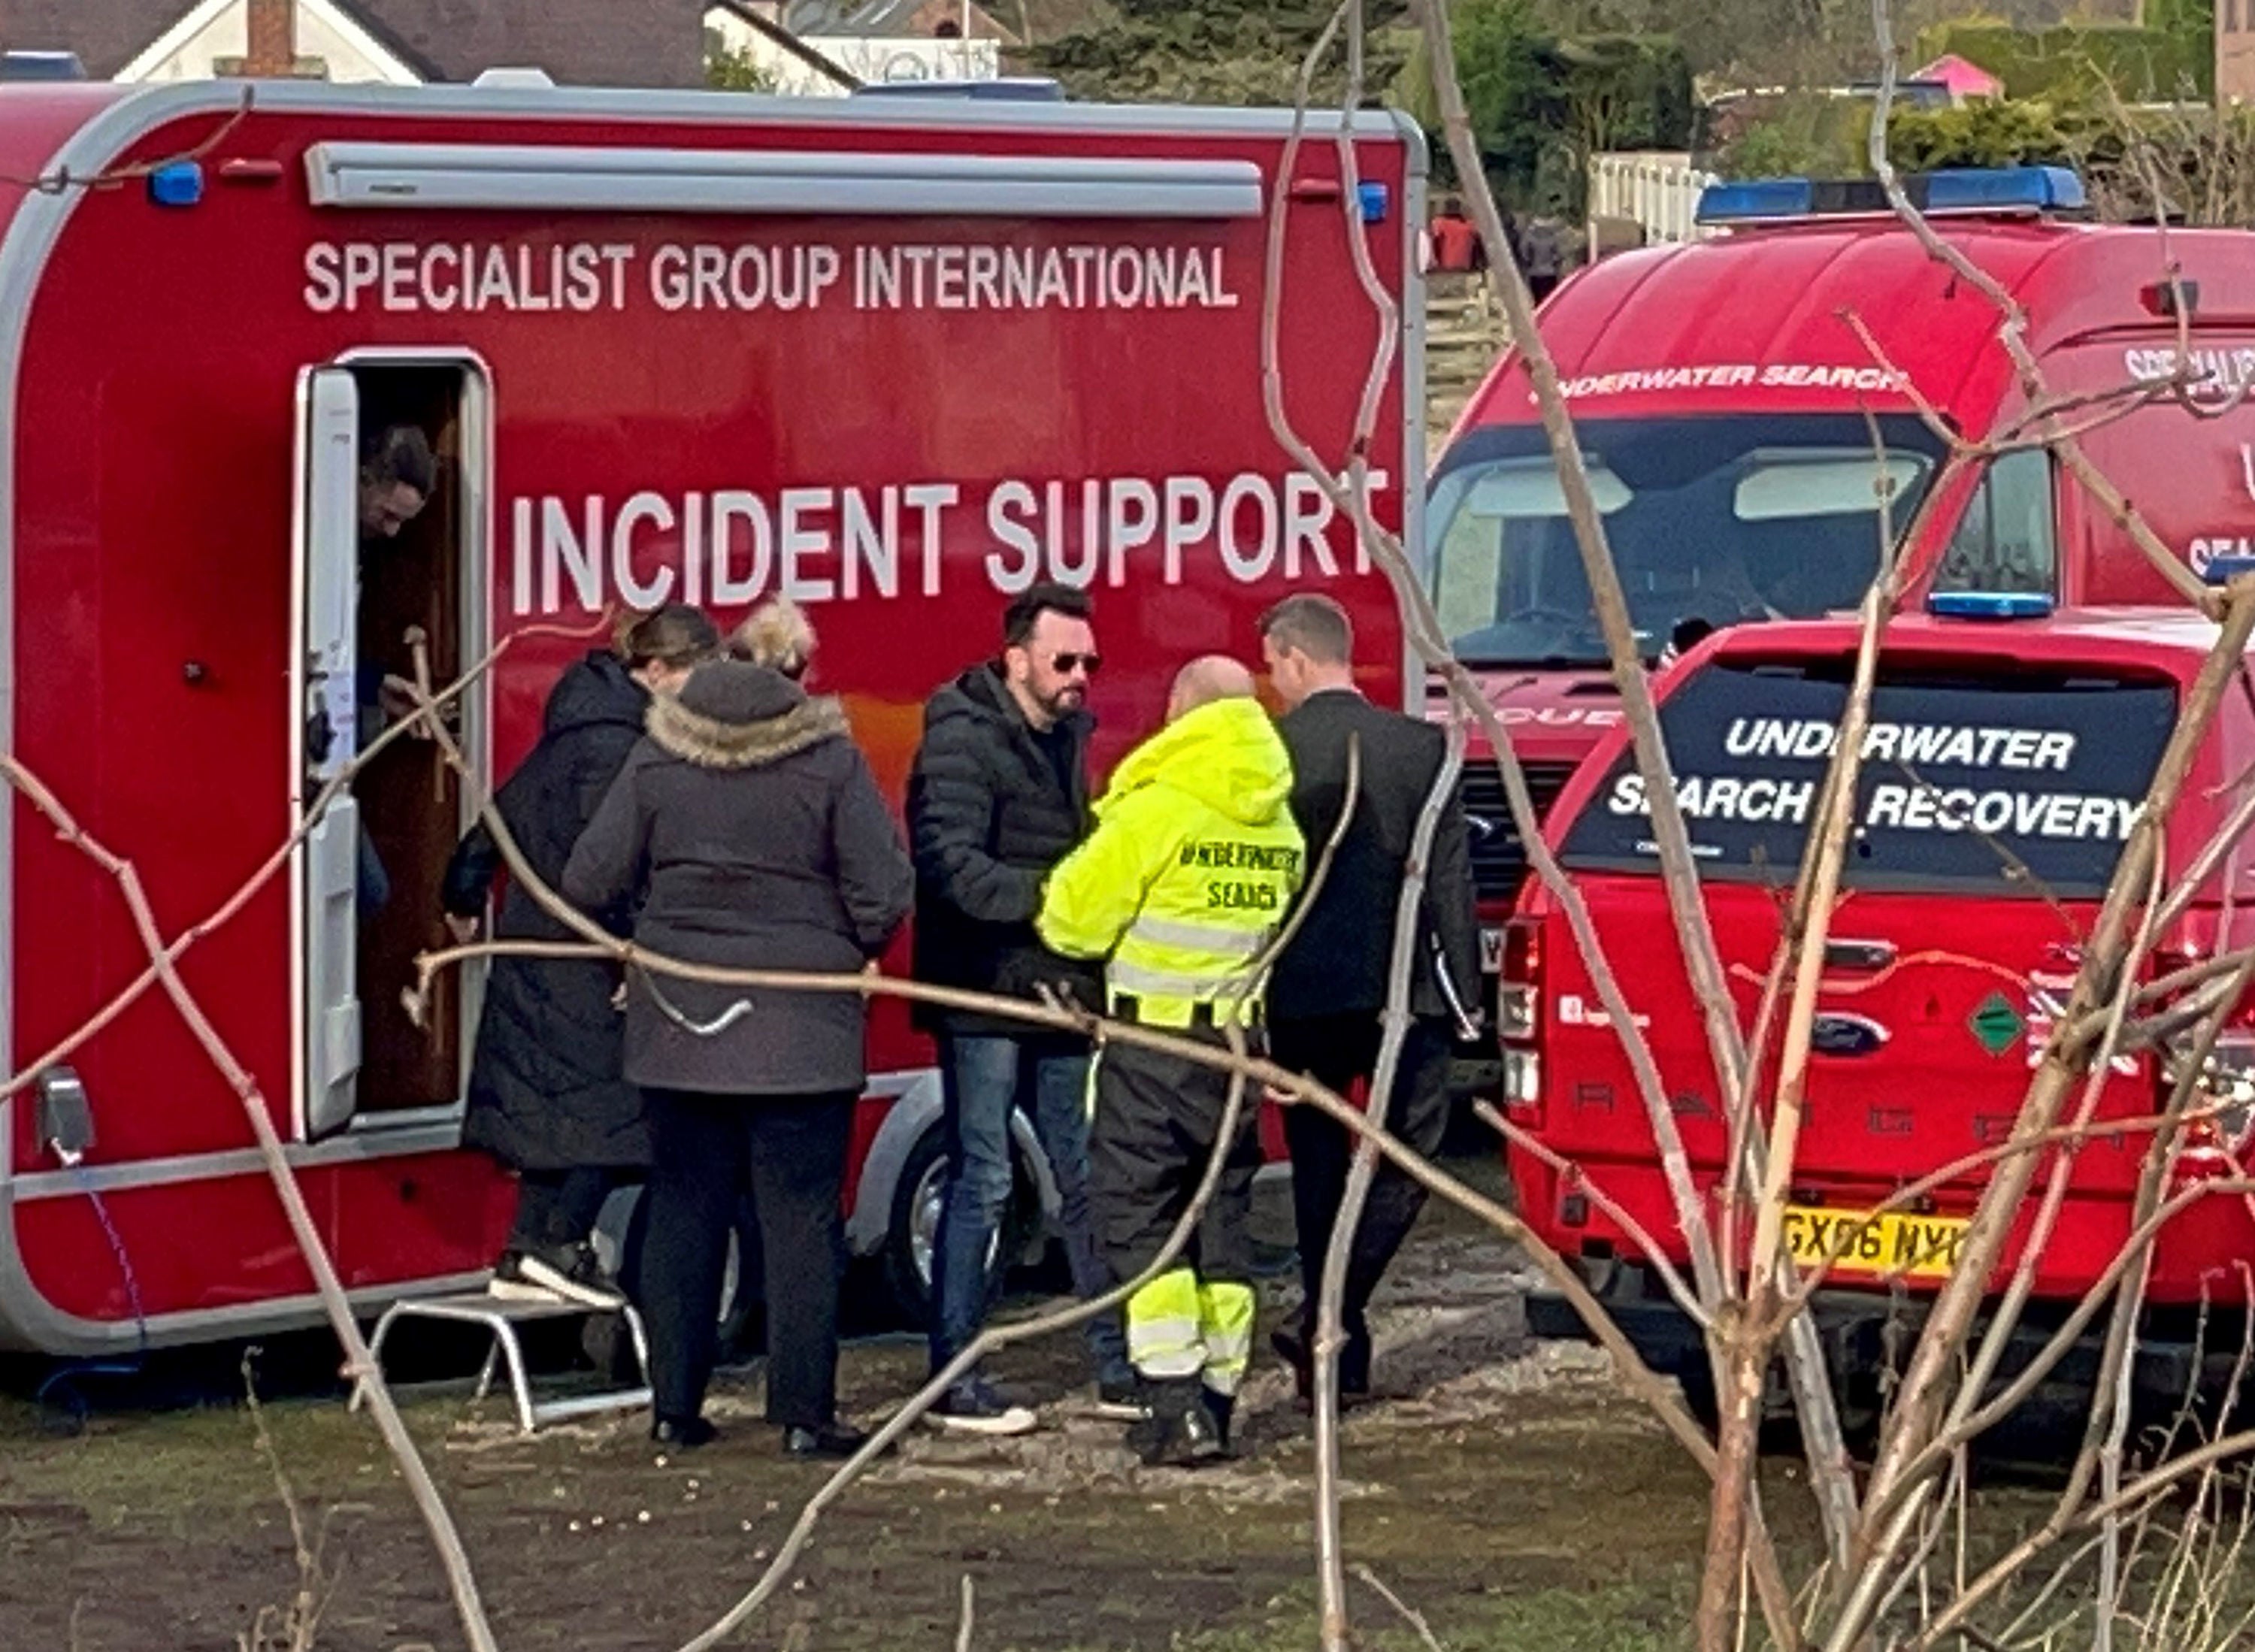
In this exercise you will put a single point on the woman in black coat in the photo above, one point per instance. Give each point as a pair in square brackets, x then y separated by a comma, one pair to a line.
[750, 827]
[548, 1095]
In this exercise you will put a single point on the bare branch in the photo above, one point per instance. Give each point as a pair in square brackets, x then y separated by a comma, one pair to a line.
[1408, 1613]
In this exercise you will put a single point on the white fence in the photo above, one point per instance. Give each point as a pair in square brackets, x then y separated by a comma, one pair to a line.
[1658, 189]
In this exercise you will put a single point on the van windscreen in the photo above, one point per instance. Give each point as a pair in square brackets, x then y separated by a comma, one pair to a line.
[1712, 521]
[2016, 781]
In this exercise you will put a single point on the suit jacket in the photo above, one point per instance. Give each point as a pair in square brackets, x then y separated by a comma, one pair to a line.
[1338, 961]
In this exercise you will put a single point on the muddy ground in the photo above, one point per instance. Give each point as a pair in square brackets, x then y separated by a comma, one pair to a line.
[1503, 1489]
[1491, 1484]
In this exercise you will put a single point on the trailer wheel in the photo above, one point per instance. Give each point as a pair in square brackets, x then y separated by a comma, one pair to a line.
[912, 1231]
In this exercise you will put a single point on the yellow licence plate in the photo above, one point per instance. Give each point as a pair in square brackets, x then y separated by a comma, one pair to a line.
[1914, 1247]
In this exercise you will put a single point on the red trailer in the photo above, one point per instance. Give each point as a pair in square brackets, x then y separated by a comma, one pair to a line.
[894, 357]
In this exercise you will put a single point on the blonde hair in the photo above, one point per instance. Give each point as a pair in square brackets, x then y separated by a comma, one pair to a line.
[778, 635]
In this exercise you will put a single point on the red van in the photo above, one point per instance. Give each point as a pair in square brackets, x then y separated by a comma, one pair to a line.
[2006, 761]
[1720, 398]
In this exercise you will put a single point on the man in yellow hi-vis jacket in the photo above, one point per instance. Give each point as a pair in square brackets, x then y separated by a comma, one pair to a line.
[1194, 860]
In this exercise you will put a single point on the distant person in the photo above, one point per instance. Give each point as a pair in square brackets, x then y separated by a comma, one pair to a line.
[1329, 992]
[1542, 252]
[1192, 863]
[548, 1091]
[1454, 239]
[997, 797]
[747, 831]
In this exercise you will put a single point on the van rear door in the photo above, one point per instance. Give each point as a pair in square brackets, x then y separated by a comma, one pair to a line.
[1992, 805]
[326, 860]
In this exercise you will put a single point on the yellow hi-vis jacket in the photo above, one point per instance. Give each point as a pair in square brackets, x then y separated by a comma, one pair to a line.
[1193, 861]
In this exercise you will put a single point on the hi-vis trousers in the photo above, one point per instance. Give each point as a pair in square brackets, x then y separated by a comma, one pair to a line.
[1157, 1117]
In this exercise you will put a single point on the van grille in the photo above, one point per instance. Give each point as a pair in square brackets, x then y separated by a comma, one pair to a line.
[1498, 857]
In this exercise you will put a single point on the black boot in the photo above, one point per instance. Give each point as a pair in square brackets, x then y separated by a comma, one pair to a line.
[832, 1440]
[682, 1433]
[1180, 1432]
[1296, 1345]
[1223, 1408]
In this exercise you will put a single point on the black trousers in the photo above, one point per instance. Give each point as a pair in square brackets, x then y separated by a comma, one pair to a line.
[560, 1207]
[1336, 1053]
[1158, 1117]
[789, 1152]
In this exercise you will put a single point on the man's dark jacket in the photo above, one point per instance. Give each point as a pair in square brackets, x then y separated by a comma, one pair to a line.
[547, 1090]
[988, 816]
[1338, 962]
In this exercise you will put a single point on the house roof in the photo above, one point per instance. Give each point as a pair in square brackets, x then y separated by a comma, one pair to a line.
[1963, 78]
[580, 42]
[107, 36]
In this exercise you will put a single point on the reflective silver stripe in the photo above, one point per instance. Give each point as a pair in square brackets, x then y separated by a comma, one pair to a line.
[1224, 1379]
[1230, 943]
[1134, 978]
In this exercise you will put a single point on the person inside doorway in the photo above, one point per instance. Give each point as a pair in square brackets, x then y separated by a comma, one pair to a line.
[398, 474]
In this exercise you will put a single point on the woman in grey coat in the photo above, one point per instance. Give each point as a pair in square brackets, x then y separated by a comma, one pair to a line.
[751, 829]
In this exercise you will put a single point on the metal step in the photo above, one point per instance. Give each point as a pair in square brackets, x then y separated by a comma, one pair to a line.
[500, 1316]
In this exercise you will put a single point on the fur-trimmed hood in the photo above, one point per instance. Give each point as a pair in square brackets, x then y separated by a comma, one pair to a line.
[732, 714]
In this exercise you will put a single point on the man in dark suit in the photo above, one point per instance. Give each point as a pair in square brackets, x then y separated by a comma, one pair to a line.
[1328, 994]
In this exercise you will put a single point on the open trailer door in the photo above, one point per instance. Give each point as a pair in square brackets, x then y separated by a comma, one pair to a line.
[326, 582]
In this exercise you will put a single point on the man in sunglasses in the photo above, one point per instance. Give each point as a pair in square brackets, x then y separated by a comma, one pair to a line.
[997, 797]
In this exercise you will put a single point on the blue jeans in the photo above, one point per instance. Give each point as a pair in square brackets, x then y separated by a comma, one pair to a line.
[984, 1078]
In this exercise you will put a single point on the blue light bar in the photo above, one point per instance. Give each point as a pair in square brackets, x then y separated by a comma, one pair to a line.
[2221, 570]
[1755, 199]
[2004, 188]
[1968, 189]
[1989, 605]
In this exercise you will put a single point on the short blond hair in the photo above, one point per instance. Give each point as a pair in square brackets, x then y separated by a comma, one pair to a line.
[778, 635]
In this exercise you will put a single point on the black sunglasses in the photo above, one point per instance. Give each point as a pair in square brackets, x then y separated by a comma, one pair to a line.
[1071, 661]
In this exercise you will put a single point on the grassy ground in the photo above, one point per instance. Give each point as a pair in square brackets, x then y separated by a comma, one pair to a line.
[1567, 1523]
[1513, 1499]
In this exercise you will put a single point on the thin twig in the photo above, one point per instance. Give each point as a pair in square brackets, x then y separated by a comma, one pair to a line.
[1407, 1612]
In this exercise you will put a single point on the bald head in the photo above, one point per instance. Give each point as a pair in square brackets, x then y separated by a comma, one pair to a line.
[1208, 677]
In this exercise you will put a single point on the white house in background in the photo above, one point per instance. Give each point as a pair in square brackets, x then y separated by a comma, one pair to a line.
[824, 48]
[388, 42]
[213, 38]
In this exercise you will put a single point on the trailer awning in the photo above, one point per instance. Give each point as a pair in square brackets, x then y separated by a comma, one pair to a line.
[503, 178]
